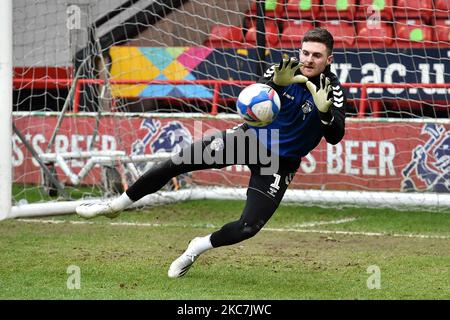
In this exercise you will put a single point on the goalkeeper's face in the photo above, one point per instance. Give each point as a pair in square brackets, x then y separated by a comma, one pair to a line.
[315, 58]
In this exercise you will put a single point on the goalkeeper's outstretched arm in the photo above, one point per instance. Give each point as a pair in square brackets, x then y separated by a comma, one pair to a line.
[333, 119]
[332, 111]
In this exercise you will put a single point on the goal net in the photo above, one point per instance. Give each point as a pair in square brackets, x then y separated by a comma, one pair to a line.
[102, 90]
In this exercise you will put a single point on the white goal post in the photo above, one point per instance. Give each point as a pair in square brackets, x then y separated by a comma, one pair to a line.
[337, 199]
[6, 107]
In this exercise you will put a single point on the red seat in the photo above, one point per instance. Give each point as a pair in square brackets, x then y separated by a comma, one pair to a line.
[343, 32]
[370, 35]
[442, 9]
[367, 9]
[413, 34]
[414, 9]
[225, 36]
[443, 31]
[272, 33]
[273, 8]
[338, 9]
[268, 23]
[293, 32]
[302, 9]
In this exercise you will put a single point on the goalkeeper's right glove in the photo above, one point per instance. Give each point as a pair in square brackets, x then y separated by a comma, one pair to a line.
[320, 96]
[284, 74]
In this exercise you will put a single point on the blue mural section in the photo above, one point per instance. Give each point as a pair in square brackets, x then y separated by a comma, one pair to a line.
[351, 66]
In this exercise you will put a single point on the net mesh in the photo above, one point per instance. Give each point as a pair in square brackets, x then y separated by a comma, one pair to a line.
[115, 79]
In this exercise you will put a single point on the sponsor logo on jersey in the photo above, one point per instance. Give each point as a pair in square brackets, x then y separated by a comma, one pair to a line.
[287, 95]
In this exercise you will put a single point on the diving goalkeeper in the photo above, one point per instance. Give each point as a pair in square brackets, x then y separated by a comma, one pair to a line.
[312, 107]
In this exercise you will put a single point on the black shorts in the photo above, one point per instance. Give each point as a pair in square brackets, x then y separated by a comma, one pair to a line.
[273, 186]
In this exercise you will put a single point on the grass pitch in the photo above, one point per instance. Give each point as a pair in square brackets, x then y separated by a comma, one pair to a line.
[302, 253]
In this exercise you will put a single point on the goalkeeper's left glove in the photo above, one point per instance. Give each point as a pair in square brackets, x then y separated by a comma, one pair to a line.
[320, 96]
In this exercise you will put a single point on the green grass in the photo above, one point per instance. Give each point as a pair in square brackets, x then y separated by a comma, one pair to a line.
[131, 262]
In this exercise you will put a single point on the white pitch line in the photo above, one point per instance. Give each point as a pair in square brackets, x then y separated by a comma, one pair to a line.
[335, 232]
[361, 233]
[321, 223]
[122, 224]
[44, 221]
[144, 224]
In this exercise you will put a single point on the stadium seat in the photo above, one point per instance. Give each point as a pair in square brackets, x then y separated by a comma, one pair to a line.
[373, 36]
[272, 34]
[413, 34]
[293, 32]
[338, 9]
[442, 9]
[273, 8]
[442, 28]
[366, 8]
[225, 36]
[302, 9]
[414, 9]
[343, 32]
[251, 23]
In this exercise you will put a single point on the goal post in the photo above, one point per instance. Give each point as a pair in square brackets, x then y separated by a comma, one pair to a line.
[6, 66]
[103, 89]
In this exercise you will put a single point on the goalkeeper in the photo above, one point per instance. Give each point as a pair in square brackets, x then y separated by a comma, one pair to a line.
[312, 107]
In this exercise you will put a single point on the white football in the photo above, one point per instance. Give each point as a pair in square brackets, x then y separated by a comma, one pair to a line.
[258, 104]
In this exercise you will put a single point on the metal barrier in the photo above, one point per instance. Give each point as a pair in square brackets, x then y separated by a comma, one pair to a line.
[26, 83]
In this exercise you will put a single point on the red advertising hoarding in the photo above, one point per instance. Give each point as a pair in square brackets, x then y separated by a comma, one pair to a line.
[375, 156]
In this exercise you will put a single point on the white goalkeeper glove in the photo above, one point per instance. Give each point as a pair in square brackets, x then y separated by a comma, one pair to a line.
[284, 73]
[320, 96]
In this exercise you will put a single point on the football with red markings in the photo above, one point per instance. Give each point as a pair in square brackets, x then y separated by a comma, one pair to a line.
[258, 104]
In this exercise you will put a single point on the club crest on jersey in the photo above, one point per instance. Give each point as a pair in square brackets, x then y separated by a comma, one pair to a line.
[307, 106]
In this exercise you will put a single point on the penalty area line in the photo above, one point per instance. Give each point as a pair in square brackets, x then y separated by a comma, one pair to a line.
[297, 229]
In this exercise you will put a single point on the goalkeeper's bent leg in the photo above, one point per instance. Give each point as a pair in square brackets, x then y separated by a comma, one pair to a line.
[258, 210]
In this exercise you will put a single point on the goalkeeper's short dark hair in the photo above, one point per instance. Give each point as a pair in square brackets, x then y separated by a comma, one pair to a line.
[320, 35]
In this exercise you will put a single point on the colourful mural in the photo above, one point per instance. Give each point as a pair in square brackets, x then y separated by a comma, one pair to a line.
[142, 63]
[350, 65]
